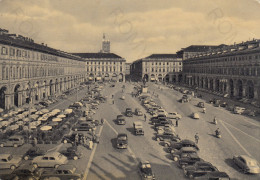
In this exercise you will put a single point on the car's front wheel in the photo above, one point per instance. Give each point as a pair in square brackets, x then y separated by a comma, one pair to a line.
[65, 141]
[15, 145]
[1, 145]
[190, 176]
[75, 157]
[13, 167]
[26, 157]
[56, 166]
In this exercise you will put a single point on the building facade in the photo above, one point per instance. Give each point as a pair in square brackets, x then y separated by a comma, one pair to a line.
[103, 66]
[156, 67]
[31, 71]
[232, 70]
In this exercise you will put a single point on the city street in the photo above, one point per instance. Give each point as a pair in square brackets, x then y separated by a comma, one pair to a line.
[240, 135]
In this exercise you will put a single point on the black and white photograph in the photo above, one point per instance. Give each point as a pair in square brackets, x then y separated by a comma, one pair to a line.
[129, 89]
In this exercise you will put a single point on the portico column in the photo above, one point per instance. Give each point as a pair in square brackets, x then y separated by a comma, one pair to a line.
[244, 91]
[20, 99]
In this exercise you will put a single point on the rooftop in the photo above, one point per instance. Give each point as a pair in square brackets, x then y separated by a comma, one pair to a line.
[200, 48]
[160, 56]
[96, 55]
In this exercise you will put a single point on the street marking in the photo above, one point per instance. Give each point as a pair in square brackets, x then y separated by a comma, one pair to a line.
[242, 131]
[129, 149]
[235, 139]
[91, 156]
[57, 148]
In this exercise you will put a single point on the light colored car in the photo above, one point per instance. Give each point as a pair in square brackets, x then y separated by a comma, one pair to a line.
[64, 172]
[247, 164]
[162, 111]
[13, 141]
[239, 110]
[51, 159]
[9, 161]
[195, 115]
[174, 115]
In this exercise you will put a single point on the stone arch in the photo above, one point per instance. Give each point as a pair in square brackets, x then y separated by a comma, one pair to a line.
[239, 88]
[180, 78]
[167, 78]
[16, 94]
[114, 77]
[146, 77]
[231, 87]
[2, 97]
[152, 78]
[217, 85]
[121, 77]
[211, 84]
[160, 78]
[206, 83]
[174, 78]
[202, 82]
[250, 89]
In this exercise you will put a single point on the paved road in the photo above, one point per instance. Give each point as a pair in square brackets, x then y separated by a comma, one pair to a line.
[241, 135]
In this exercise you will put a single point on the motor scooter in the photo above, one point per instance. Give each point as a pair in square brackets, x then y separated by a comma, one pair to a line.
[218, 135]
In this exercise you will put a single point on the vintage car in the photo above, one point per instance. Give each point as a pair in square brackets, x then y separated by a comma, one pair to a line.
[138, 112]
[50, 159]
[129, 112]
[9, 161]
[84, 126]
[138, 128]
[167, 136]
[215, 175]
[174, 115]
[13, 141]
[71, 138]
[201, 104]
[145, 171]
[183, 143]
[182, 152]
[198, 169]
[188, 160]
[33, 152]
[72, 153]
[26, 172]
[122, 141]
[195, 115]
[64, 172]
[120, 119]
[247, 164]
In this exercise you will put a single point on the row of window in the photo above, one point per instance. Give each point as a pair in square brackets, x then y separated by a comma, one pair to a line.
[104, 69]
[226, 71]
[102, 62]
[161, 70]
[22, 72]
[163, 63]
[226, 59]
[12, 52]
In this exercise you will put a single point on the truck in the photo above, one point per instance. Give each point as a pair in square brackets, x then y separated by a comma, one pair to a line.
[138, 128]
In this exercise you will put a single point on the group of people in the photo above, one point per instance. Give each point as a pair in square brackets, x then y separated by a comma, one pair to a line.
[86, 141]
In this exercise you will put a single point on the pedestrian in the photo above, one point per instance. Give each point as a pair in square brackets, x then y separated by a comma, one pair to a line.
[102, 121]
[112, 96]
[177, 123]
[113, 102]
[77, 139]
[34, 141]
[90, 144]
[196, 138]
[144, 117]
[84, 141]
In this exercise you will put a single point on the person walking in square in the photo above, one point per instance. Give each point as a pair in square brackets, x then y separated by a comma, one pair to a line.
[90, 144]
[177, 123]
[196, 138]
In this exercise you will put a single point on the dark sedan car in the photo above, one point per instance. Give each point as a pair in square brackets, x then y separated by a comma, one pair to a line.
[199, 169]
[215, 175]
[183, 143]
[129, 112]
[120, 119]
[183, 152]
[188, 160]
[33, 152]
[83, 126]
[71, 138]
[26, 172]
[167, 136]
[145, 171]
[72, 153]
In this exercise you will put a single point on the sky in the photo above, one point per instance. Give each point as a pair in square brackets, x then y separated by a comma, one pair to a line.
[135, 28]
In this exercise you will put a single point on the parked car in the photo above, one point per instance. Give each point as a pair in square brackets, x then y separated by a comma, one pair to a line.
[26, 172]
[215, 175]
[9, 161]
[72, 153]
[174, 115]
[33, 152]
[50, 159]
[83, 126]
[183, 143]
[239, 110]
[13, 141]
[198, 169]
[162, 123]
[195, 115]
[64, 172]
[145, 170]
[201, 104]
[188, 159]
[120, 119]
[167, 136]
[122, 141]
[129, 112]
[138, 112]
[71, 138]
[182, 152]
[247, 164]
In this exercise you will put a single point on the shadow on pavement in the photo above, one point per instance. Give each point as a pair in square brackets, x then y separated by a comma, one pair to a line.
[131, 130]
[113, 142]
